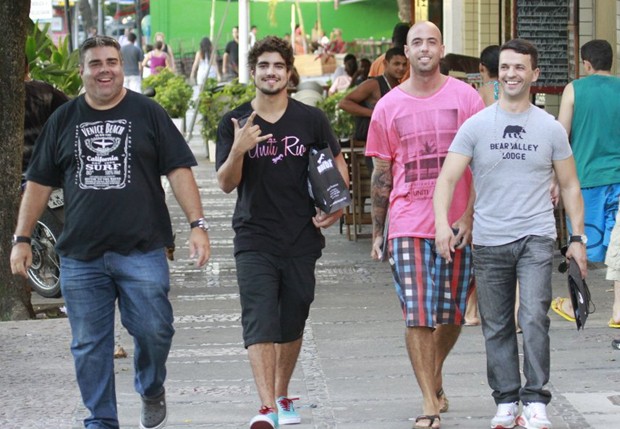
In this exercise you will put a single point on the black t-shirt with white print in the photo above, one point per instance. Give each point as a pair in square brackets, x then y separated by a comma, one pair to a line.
[274, 210]
[110, 164]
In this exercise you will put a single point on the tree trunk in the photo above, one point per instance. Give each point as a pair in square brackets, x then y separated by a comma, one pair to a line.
[404, 10]
[14, 295]
[87, 15]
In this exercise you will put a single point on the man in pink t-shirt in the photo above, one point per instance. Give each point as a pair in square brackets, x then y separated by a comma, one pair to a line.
[410, 132]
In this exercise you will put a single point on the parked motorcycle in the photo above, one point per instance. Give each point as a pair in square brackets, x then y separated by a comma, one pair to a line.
[44, 273]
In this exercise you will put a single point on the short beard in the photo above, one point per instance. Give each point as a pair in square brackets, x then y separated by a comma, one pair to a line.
[271, 91]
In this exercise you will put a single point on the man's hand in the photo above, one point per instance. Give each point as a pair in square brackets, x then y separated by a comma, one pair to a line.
[199, 246]
[21, 259]
[464, 225]
[376, 252]
[248, 135]
[577, 251]
[446, 241]
[324, 220]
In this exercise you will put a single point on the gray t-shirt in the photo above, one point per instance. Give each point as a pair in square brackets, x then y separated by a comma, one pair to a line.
[132, 57]
[512, 165]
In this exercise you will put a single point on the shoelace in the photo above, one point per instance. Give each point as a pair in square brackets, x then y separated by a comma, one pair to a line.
[266, 410]
[285, 403]
[537, 410]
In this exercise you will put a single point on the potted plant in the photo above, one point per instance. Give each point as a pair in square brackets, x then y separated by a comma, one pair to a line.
[217, 100]
[53, 63]
[342, 122]
[172, 92]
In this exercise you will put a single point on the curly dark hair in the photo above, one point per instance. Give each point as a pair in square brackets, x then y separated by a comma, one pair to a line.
[271, 44]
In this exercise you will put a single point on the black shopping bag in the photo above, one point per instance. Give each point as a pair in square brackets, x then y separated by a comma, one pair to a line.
[326, 185]
[579, 294]
[385, 242]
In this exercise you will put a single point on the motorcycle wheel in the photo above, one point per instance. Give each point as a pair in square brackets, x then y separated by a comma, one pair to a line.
[44, 273]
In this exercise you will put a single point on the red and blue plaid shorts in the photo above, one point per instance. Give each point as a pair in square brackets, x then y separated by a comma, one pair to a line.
[431, 290]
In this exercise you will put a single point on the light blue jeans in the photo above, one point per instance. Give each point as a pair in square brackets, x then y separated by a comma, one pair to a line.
[497, 268]
[140, 282]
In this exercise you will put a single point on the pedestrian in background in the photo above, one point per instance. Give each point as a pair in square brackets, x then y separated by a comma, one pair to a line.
[204, 66]
[108, 149]
[156, 59]
[362, 100]
[410, 131]
[132, 64]
[160, 37]
[343, 81]
[252, 36]
[514, 150]
[263, 152]
[489, 63]
[230, 60]
[399, 39]
[590, 113]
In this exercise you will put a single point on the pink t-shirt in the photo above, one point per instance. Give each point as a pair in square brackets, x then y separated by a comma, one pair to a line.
[414, 135]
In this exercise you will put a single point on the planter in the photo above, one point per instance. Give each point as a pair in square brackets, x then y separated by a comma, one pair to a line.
[313, 65]
[211, 150]
[180, 124]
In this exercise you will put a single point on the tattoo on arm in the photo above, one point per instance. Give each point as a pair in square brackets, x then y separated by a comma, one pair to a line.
[380, 192]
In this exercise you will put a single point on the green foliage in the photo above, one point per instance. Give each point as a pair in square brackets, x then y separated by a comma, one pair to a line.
[172, 92]
[342, 122]
[215, 102]
[51, 63]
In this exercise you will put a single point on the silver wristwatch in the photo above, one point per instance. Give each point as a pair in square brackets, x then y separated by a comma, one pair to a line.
[200, 223]
[583, 239]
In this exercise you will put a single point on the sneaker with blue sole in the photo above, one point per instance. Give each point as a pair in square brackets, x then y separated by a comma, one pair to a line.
[286, 411]
[267, 418]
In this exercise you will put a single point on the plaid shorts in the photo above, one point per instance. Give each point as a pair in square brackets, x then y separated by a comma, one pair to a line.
[431, 291]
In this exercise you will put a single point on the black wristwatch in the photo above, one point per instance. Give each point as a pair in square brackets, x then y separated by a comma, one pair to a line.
[583, 239]
[20, 239]
[200, 223]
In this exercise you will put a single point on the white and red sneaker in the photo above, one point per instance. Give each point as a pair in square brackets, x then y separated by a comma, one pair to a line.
[534, 416]
[506, 416]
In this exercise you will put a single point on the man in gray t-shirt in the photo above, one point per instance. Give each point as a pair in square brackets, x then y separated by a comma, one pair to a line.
[132, 64]
[514, 149]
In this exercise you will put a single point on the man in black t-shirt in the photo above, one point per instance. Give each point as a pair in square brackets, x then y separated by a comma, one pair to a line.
[230, 60]
[108, 150]
[263, 152]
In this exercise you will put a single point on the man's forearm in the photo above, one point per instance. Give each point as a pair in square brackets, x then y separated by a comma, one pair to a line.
[186, 192]
[573, 204]
[381, 187]
[32, 206]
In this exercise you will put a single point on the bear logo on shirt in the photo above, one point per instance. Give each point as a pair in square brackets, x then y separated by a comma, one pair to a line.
[513, 132]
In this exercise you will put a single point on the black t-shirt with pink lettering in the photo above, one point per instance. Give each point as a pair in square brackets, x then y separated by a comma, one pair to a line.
[110, 163]
[274, 210]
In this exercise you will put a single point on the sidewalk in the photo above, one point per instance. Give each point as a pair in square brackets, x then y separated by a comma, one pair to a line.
[353, 371]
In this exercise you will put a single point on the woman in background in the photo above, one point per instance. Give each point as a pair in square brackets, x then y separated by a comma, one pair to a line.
[157, 58]
[202, 67]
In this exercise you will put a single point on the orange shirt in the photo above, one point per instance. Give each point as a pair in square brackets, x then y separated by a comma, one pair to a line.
[377, 68]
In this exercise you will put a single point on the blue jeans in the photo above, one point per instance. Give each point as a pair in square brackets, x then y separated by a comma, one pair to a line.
[497, 268]
[140, 282]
